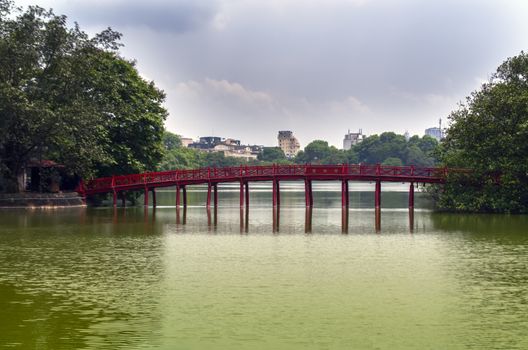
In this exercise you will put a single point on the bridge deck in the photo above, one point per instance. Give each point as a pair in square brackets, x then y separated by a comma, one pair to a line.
[244, 174]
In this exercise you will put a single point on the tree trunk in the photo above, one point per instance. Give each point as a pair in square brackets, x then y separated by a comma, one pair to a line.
[14, 179]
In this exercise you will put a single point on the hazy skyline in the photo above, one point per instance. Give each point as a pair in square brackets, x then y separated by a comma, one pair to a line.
[246, 69]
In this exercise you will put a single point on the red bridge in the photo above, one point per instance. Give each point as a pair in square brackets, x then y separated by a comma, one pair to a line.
[244, 174]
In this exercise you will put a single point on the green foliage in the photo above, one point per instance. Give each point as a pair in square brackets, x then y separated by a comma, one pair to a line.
[272, 155]
[181, 158]
[72, 99]
[319, 152]
[387, 148]
[378, 149]
[189, 158]
[171, 141]
[489, 134]
[392, 161]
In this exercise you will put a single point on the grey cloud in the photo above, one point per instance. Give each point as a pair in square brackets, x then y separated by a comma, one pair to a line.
[317, 67]
[177, 16]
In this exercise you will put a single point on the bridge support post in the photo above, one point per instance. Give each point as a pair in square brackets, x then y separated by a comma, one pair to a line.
[208, 203]
[377, 195]
[276, 193]
[344, 194]
[308, 193]
[146, 197]
[184, 192]
[177, 196]
[378, 219]
[276, 219]
[247, 194]
[241, 194]
[308, 220]
[215, 188]
[411, 196]
[311, 194]
[411, 220]
[123, 199]
[154, 198]
[114, 197]
[344, 219]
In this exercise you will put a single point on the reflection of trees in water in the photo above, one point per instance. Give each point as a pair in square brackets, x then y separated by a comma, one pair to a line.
[34, 320]
[489, 256]
[78, 289]
[504, 228]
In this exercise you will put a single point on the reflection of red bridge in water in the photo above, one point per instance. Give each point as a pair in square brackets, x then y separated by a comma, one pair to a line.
[244, 174]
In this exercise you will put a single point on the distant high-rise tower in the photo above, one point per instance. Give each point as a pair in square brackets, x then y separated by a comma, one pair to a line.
[352, 139]
[407, 135]
[288, 143]
[436, 132]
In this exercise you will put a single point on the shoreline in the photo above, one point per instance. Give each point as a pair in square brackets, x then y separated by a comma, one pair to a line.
[47, 201]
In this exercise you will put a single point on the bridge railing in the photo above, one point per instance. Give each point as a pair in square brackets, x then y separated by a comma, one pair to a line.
[293, 170]
[129, 180]
[100, 184]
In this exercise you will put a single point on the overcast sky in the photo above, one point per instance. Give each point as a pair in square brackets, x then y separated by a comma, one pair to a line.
[246, 69]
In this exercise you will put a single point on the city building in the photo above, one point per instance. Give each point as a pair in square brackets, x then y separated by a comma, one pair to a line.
[229, 147]
[186, 141]
[288, 143]
[352, 139]
[436, 132]
[407, 135]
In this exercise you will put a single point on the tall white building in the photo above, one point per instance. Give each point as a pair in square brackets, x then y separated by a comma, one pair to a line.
[352, 139]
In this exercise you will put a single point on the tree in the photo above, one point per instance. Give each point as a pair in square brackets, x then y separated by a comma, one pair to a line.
[375, 149]
[272, 154]
[319, 152]
[378, 149]
[171, 141]
[180, 158]
[415, 156]
[489, 134]
[392, 161]
[72, 99]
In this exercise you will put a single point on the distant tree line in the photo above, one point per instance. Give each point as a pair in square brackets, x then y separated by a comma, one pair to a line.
[387, 148]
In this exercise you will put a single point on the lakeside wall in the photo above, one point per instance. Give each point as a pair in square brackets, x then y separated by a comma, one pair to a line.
[41, 200]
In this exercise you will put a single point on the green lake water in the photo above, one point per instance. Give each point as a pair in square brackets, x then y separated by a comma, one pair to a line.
[100, 278]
